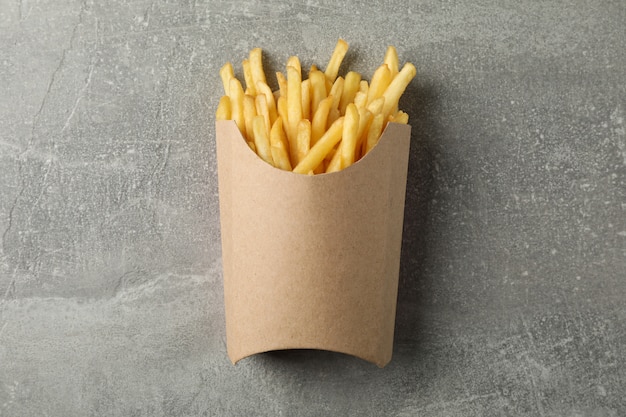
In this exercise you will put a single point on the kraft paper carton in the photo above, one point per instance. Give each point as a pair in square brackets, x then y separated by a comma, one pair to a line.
[311, 262]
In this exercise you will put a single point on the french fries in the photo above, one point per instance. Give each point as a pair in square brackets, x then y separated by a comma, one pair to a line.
[223, 111]
[262, 140]
[278, 141]
[322, 123]
[349, 136]
[335, 60]
[294, 108]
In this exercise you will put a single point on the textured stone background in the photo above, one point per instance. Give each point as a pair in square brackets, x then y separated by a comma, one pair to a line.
[513, 278]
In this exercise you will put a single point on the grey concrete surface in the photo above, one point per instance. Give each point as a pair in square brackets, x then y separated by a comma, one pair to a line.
[513, 273]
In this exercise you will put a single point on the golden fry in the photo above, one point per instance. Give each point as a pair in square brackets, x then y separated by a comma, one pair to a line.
[263, 88]
[334, 164]
[306, 99]
[319, 151]
[262, 110]
[247, 76]
[397, 86]
[376, 106]
[364, 86]
[249, 113]
[282, 84]
[333, 115]
[256, 66]
[349, 136]
[400, 117]
[294, 61]
[360, 99]
[318, 89]
[336, 91]
[332, 69]
[328, 84]
[303, 139]
[391, 59]
[236, 104]
[294, 109]
[281, 108]
[261, 140]
[320, 119]
[278, 142]
[350, 87]
[375, 130]
[380, 82]
[365, 119]
[223, 111]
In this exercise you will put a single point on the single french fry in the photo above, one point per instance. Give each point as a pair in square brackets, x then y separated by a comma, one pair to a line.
[303, 139]
[282, 84]
[374, 132]
[349, 136]
[391, 59]
[397, 86]
[263, 88]
[333, 115]
[261, 139]
[294, 109]
[247, 76]
[364, 86]
[331, 155]
[318, 89]
[223, 111]
[236, 104]
[283, 135]
[365, 119]
[226, 73]
[360, 99]
[278, 142]
[328, 84]
[294, 61]
[336, 91]
[262, 110]
[350, 88]
[306, 99]
[320, 119]
[376, 106]
[319, 151]
[256, 66]
[334, 164]
[380, 82]
[332, 69]
[249, 113]
[281, 109]
[400, 117]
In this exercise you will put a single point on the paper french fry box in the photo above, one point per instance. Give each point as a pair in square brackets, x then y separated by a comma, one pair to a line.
[311, 262]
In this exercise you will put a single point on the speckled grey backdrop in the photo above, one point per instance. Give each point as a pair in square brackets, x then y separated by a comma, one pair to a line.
[512, 295]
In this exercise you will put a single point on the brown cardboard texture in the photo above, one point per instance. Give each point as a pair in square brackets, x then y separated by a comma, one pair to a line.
[311, 262]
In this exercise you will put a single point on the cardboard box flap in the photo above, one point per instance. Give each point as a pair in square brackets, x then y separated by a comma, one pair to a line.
[311, 261]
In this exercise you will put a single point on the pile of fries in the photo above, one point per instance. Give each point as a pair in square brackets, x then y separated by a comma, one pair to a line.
[324, 123]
